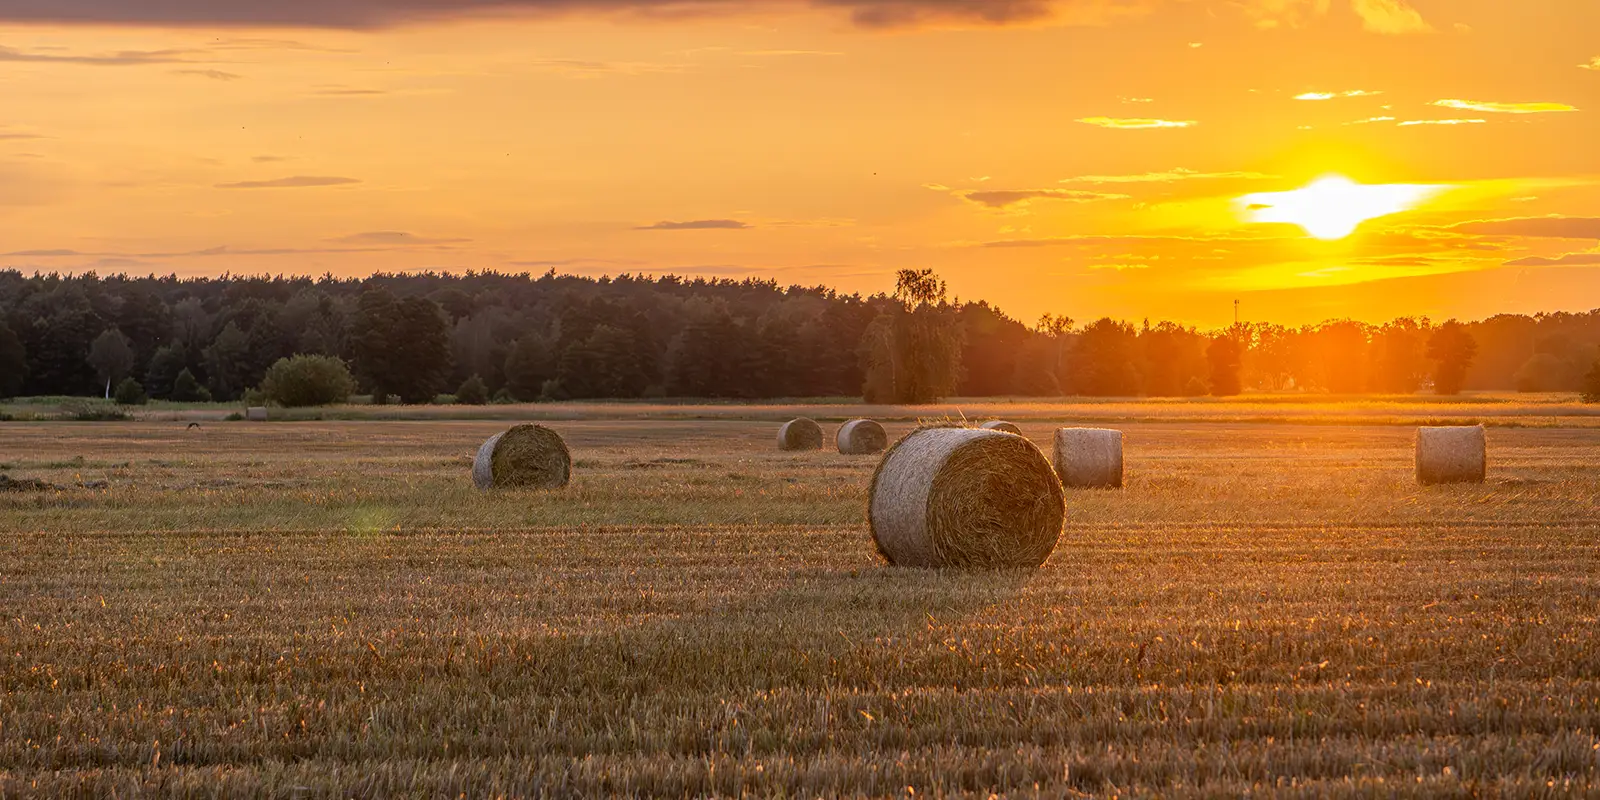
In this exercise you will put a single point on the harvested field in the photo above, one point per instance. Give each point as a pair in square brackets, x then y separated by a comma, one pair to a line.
[329, 609]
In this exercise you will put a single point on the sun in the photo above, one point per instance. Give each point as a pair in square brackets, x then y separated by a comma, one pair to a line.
[1333, 206]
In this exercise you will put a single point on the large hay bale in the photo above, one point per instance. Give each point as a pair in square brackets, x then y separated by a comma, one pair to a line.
[256, 414]
[525, 457]
[1458, 454]
[965, 497]
[1089, 458]
[1002, 426]
[862, 437]
[800, 434]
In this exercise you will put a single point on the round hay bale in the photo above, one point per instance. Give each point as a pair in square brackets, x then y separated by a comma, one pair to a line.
[1089, 458]
[1001, 426]
[965, 497]
[862, 437]
[1458, 454]
[525, 457]
[800, 434]
[256, 414]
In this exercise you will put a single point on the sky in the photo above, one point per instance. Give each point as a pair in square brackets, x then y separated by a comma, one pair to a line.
[1311, 159]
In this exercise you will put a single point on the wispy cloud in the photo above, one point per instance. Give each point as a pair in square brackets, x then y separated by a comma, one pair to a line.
[294, 182]
[781, 53]
[1568, 260]
[1177, 174]
[396, 238]
[213, 74]
[1389, 16]
[696, 225]
[1594, 64]
[1004, 198]
[1553, 227]
[1410, 122]
[1504, 108]
[120, 58]
[1370, 120]
[1334, 95]
[1136, 124]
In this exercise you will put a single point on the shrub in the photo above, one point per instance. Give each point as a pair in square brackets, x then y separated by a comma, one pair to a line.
[130, 393]
[305, 380]
[473, 392]
[185, 389]
[1591, 384]
[503, 398]
[94, 411]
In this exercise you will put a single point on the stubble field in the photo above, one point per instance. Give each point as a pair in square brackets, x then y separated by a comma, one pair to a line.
[328, 609]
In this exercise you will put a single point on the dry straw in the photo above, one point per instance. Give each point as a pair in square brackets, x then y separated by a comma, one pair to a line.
[862, 437]
[256, 414]
[525, 457]
[1457, 454]
[1002, 426]
[965, 497]
[800, 434]
[1089, 458]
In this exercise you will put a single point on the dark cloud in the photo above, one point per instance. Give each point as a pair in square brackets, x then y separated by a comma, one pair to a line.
[296, 182]
[18, 136]
[380, 13]
[1568, 260]
[695, 225]
[1539, 227]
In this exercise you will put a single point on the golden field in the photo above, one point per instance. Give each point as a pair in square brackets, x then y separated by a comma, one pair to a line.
[328, 609]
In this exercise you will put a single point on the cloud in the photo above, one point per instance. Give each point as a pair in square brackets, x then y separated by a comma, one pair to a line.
[1389, 16]
[695, 225]
[399, 238]
[1410, 122]
[384, 13]
[18, 136]
[1177, 174]
[1370, 120]
[1537, 227]
[1594, 64]
[776, 53]
[1332, 95]
[1136, 124]
[1001, 198]
[1379, 16]
[295, 182]
[1568, 260]
[121, 58]
[1504, 108]
[268, 159]
[214, 74]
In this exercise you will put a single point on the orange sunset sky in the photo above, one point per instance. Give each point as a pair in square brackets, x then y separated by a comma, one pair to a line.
[1129, 158]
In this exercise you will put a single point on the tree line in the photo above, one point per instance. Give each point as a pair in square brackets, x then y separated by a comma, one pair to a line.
[520, 337]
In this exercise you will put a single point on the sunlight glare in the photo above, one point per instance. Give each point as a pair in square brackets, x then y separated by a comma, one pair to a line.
[1333, 206]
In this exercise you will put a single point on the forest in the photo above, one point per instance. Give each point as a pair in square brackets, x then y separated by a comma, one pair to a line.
[520, 337]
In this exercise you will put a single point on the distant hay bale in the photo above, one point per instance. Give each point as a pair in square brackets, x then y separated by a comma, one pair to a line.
[862, 437]
[800, 434]
[525, 457]
[1002, 426]
[965, 497]
[1089, 458]
[1458, 454]
[256, 413]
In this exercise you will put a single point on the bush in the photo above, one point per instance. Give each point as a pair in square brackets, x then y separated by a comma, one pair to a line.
[130, 393]
[1591, 384]
[94, 411]
[473, 392]
[503, 398]
[308, 381]
[185, 389]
